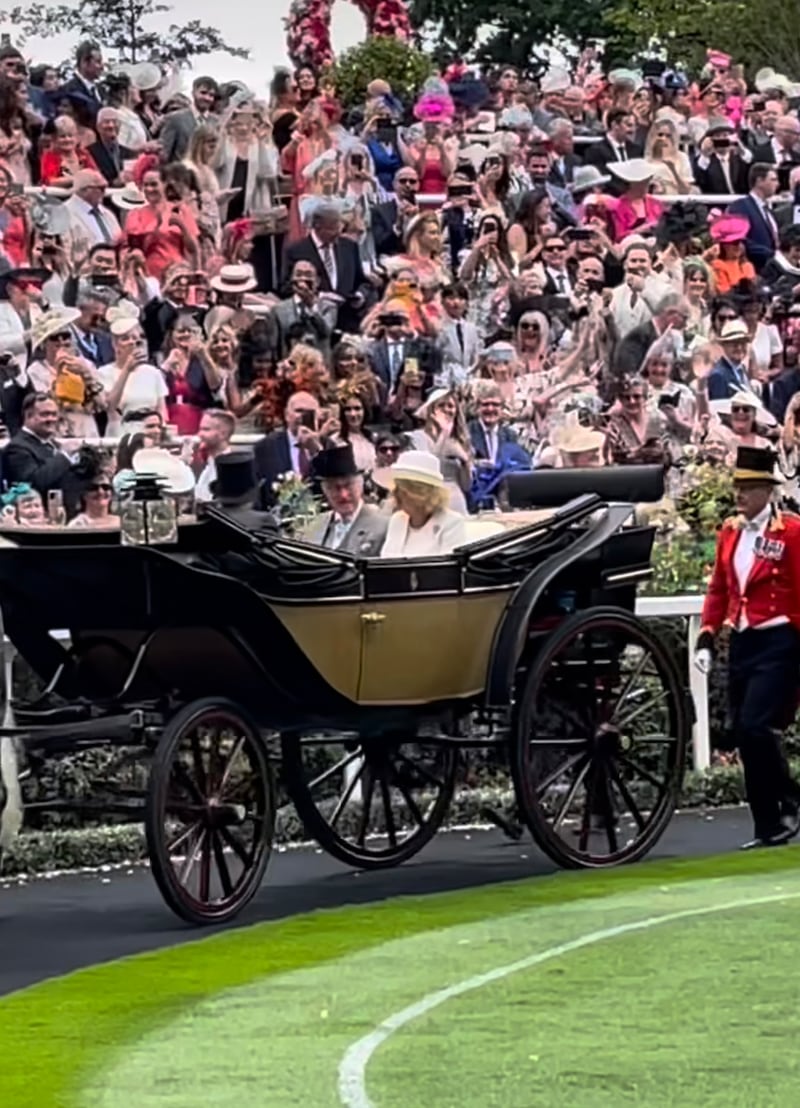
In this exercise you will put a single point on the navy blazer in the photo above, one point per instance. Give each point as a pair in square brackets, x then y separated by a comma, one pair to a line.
[272, 458]
[102, 354]
[478, 438]
[722, 382]
[760, 242]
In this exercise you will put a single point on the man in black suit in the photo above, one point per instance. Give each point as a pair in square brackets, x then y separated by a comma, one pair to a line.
[722, 163]
[564, 161]
[88, 71]
[389, 219]
[782, 150]
[396, 345]
[107, 153]
[33, 456]
[337, 262]
[618, 144]
[289, 449]
[91, 341]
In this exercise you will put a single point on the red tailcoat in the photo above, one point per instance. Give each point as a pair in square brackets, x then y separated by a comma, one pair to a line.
[772, 588]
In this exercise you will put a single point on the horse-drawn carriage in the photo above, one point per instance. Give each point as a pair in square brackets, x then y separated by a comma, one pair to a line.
[234, 663]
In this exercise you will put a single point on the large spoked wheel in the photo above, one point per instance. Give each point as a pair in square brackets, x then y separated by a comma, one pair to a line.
[600, 738]
[210, 814]
[369, 803]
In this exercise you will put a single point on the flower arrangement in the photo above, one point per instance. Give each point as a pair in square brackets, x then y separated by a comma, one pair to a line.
[296, 505]
[309, 27]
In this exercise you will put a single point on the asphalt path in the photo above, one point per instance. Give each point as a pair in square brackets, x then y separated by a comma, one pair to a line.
[49, 927]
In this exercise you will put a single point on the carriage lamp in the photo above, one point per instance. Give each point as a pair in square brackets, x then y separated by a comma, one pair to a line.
[147, 516]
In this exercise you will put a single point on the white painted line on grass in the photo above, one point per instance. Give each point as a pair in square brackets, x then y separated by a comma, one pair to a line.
[353, 1067]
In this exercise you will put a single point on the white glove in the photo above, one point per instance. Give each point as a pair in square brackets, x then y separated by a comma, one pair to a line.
[702, 661]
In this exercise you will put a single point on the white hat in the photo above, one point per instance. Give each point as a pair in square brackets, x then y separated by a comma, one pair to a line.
[413, 465]
[586, 178]
[234, 278]
[327, 157]
[555, 80]
[52, 323]
[733, 330]
[744, 399]
[634, 171]
[424, 410]
[128, 197]
[145, 76]
[123, 325]
[123, 309]
[176, 477]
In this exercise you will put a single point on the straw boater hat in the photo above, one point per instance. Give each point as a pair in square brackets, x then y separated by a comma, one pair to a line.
[413, 465]
[51, 323]
[235, 278]
[574, 438]
[128, 197]
[633, 172]
[757, 465]
[734, 330]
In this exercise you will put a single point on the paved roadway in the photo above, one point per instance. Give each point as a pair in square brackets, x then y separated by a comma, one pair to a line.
[51, 927]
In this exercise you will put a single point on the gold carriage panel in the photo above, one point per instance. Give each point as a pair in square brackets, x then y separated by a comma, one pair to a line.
[404, 651]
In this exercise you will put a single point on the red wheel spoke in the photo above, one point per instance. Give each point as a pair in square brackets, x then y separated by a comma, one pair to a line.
[184, 835]
[205, 868]
[348, 792]
[197, 761]
[234, 754]
[625, 793]
[576, 784]
[367, 809]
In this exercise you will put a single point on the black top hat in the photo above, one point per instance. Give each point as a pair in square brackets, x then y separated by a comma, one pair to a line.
[236, 481]
[757, 464]
[336, 461]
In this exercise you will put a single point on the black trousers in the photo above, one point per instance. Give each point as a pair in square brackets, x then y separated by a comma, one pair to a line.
[762, 690]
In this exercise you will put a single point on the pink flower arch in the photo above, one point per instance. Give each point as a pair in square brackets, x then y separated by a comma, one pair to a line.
[309, 27]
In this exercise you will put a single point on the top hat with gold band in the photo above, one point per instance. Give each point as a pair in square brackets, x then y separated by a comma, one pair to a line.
[756, 464]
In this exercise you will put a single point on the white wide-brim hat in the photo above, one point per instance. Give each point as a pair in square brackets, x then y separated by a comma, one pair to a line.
[424, 410]
[743, 399]
[234, 278]
[413, 465]
[52, 323]
[128, 197]
[174, 475]
[634, 171]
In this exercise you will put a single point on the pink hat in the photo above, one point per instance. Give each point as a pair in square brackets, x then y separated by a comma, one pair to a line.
[434, 107]
[730, 228]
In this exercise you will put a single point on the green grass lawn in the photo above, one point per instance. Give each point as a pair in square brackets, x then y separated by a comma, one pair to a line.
[226, 1017]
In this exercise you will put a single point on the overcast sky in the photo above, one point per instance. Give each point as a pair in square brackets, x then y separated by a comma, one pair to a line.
[242, 24]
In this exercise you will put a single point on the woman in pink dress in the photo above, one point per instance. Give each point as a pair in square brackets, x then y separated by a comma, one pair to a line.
[165, 228]
[635, 210]
[310, 139]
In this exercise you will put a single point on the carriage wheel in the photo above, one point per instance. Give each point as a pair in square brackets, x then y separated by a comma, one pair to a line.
[210, 813]
[599, 744]
[369, 803]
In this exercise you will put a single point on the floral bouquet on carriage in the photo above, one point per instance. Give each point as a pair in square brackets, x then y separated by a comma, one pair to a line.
[296, 504]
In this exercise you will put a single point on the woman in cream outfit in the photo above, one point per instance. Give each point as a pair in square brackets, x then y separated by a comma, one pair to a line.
[422, 525]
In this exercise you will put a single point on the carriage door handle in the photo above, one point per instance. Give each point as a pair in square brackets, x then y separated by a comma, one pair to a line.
[373, 617]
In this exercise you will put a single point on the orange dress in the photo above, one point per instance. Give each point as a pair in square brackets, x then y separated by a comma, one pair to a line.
[731, 272]
[51, 165]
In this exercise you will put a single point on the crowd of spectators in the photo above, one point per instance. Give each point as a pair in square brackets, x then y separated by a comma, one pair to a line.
[588, 269]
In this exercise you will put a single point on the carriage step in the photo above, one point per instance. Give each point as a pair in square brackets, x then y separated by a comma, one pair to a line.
[101, 729]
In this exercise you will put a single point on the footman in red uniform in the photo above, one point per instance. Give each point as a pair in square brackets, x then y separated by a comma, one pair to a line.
[755, 590]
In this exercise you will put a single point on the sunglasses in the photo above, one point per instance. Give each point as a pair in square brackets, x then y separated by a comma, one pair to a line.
[741, 409]
[354, 408]
[490, 404]
[529, 327]
[63, 337]
[412, 182]
[387, 448]
[555, 248]
[100, 488]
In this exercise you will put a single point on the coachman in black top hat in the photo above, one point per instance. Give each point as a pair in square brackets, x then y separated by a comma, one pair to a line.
[755, 591]
[236, 489]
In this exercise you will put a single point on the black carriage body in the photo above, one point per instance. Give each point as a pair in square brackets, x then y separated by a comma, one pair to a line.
[307, 637]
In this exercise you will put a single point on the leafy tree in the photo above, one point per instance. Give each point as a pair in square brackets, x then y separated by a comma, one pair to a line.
[758, 35]
[403, 66]
[119, 26]
[513, 32]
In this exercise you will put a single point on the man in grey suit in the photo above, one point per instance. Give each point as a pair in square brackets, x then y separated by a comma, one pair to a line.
[304, 317]
[351, 525]
[178, 127]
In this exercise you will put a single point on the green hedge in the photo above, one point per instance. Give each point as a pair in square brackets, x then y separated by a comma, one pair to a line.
[76, 848]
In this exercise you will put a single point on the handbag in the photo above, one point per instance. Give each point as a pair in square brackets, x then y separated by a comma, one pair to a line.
[69, 388]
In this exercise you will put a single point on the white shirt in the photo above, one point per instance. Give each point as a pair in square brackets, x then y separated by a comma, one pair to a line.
[744, 557]
[560, 279]
[490, 434]
[144, 388]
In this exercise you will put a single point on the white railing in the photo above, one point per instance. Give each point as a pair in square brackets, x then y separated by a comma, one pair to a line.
[651, 607]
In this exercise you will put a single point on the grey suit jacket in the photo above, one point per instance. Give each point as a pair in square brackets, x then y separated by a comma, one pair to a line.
[321, 324]
[176, 133]
[365, 537]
